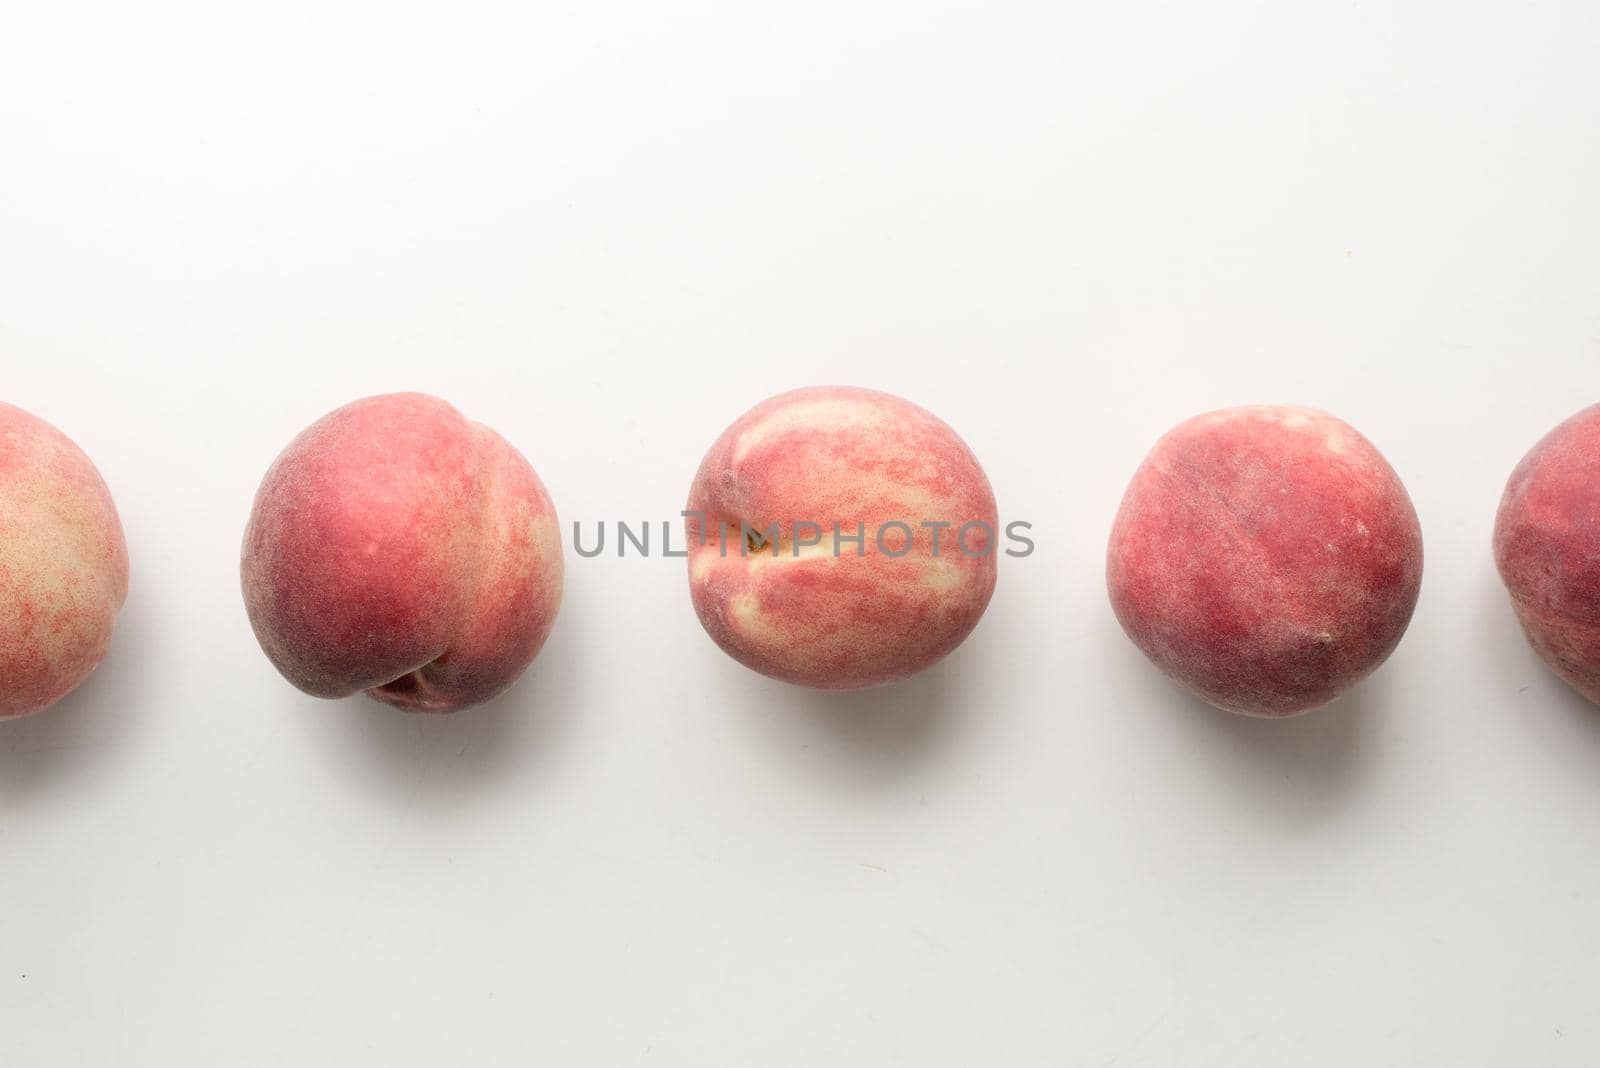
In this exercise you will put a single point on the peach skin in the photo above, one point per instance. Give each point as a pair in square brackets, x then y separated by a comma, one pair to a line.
[63, 565]
[776, 589]
[1267, 558]
[398, 549]
[1547, 547]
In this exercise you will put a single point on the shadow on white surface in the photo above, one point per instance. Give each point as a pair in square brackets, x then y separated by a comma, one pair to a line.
[1299, 769]
[84, 732]
[1564, 721]
[869, 738]
[1321, 754]
[451, 758]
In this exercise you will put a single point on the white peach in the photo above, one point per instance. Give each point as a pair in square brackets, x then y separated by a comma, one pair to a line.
[776, 574]
[63, 564]
[398, 549]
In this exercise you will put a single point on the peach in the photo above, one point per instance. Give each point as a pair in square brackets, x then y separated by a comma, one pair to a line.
[1547, 546]
[1267, 558]
[398, 549]
[776, 573]
[63, 565]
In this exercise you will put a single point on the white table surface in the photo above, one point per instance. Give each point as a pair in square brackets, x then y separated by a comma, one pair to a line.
[606, 229]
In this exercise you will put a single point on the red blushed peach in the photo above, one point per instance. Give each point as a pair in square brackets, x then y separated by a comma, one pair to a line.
[769, 582]
[1547, 546]
[398, 549]
[1267, 558]
[63, 565]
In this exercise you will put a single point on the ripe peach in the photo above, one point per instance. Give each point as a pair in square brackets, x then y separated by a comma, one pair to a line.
[63, 564]
[397, 548]
[1547, 546]
[1267, 558]
[777, 590]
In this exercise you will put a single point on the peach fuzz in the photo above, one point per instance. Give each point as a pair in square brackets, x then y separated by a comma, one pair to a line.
[805, 613]
[1267, 558]
[63, 565]
[1547, 547]
[398, 549]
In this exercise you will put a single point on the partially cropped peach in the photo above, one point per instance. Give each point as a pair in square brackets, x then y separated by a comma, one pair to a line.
[399, 549]
[1547, 546]
[63, 565]
[1267, 558]
[777, 574]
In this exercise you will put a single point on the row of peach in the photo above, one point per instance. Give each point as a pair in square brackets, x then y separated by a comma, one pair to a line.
[1268, 558]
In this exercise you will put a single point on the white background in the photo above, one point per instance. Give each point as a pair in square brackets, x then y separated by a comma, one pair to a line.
[606, 230]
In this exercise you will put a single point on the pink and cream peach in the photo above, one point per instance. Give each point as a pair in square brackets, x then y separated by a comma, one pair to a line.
[805, 607]
[63, 564]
